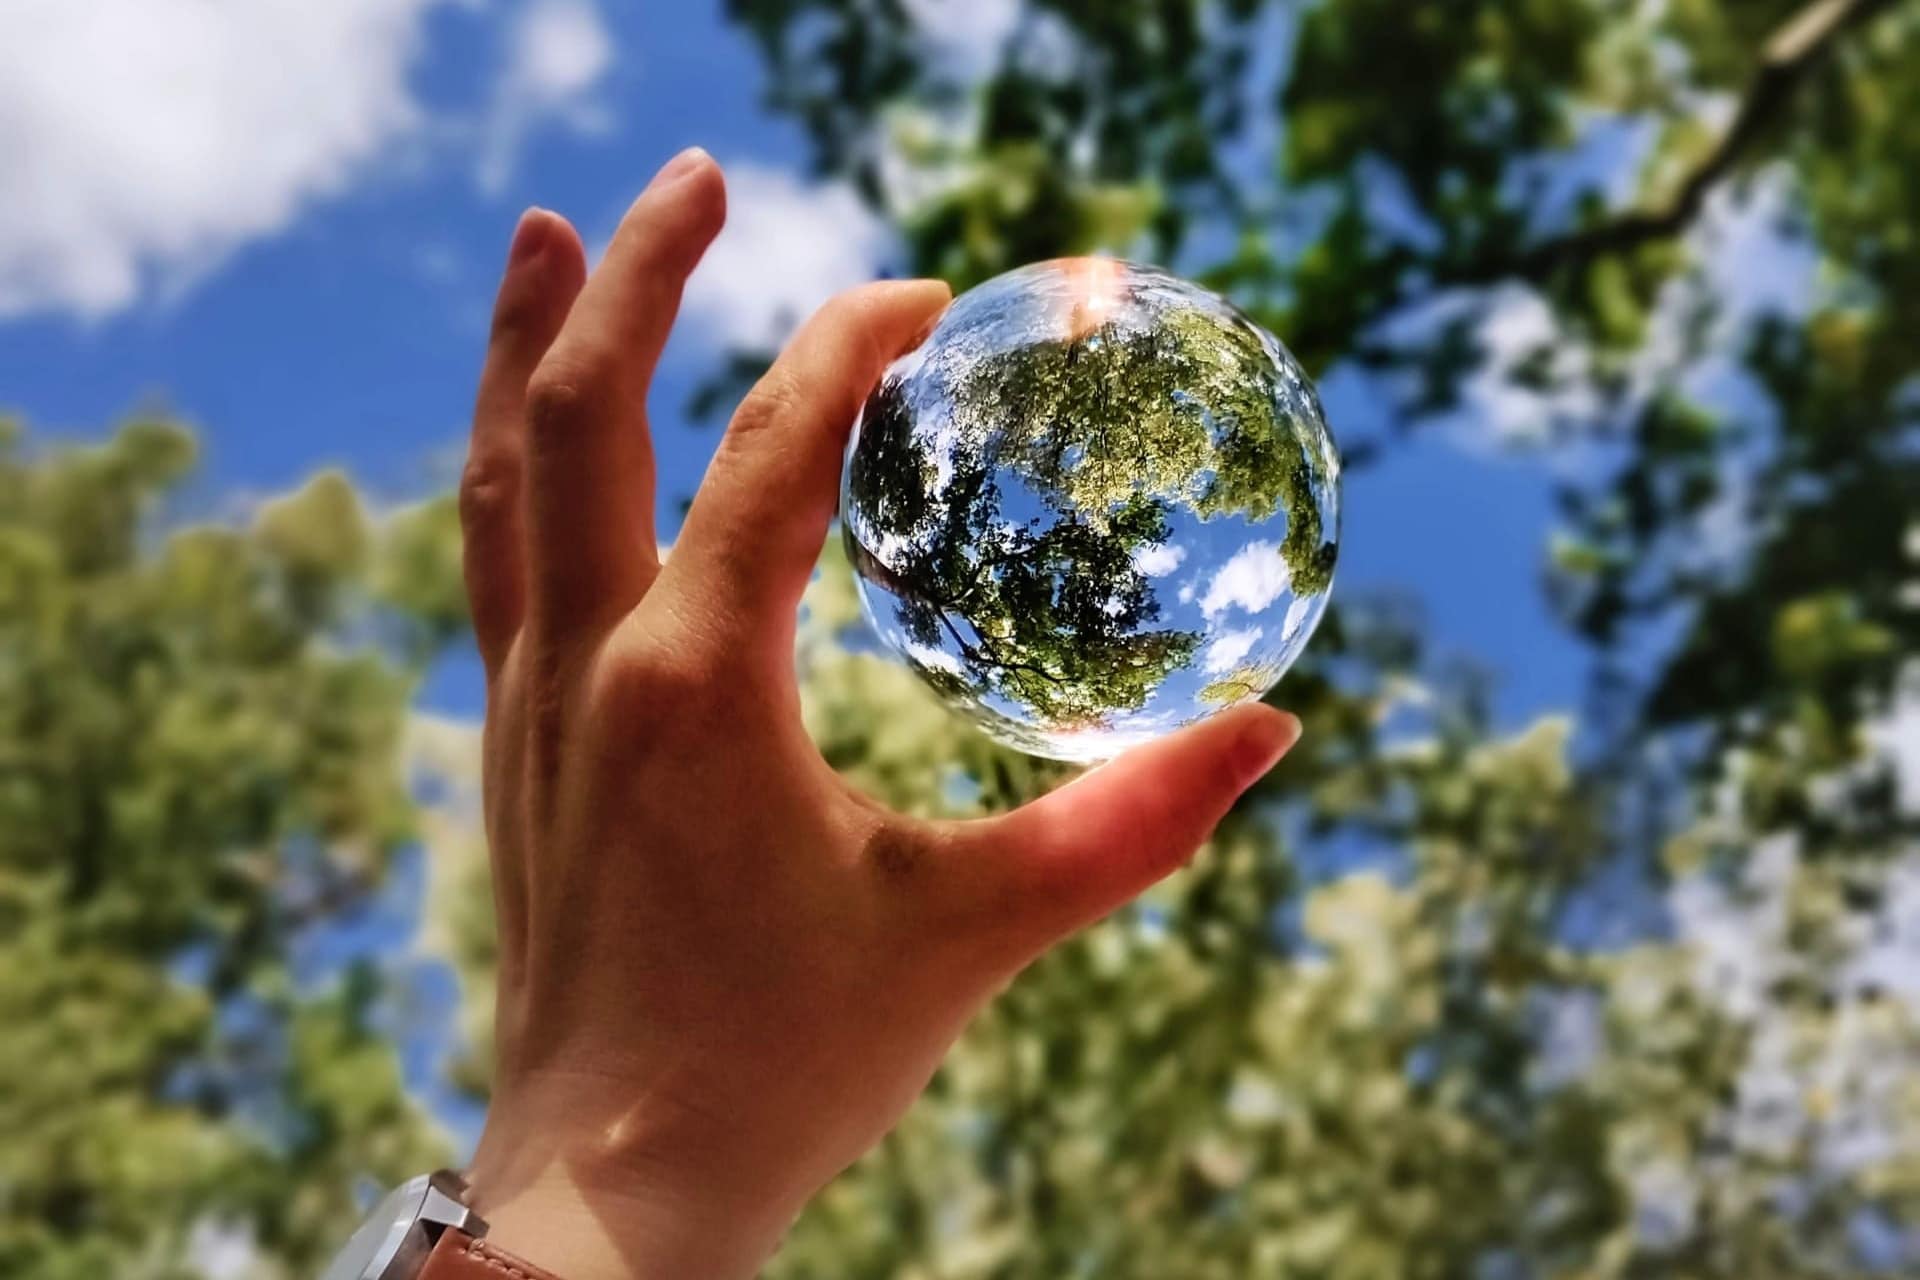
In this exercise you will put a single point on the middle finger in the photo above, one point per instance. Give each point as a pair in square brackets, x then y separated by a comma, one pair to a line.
[591, 537]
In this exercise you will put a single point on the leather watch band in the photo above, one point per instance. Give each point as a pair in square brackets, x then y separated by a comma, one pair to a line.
[459, 1256]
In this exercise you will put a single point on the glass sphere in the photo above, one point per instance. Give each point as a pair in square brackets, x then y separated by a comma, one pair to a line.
[1096, 504]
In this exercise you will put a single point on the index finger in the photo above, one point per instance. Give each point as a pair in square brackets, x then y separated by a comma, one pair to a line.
[754, 532]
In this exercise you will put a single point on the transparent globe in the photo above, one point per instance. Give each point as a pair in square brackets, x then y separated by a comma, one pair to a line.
[1095, 505]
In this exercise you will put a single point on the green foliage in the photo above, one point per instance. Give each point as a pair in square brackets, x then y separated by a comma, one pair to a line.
[1279, 1065]
[197, 770]
[1274, 1070]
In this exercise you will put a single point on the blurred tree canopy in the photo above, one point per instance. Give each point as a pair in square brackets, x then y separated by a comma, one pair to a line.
[1373, 1032]
[199, 775]
[1623, 999]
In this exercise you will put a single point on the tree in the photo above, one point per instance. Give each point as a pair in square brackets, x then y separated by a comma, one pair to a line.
[1374, 1030]
[1407, 1112]
[199, 779]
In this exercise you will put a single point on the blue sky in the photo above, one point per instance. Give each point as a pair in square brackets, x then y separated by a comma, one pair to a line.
[283, 219]
[299, 260]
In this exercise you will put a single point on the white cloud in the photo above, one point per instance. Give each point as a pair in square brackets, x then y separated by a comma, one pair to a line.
[1897, 735]
[1228, 648]
[1517, 328]
[223, 1250]
[442, 763]
[1833, 1102]
[933, 659]
[560, 51]
[970, 33]
[787, 247]
[1158, 560]
[1737, 936]
[1252, 579]
[1572, 1033]
[147, 139]
[1666, 1196]
[144, 141]
[1749, 268]
[969, 37]
[1890, 961]
[1298, 615]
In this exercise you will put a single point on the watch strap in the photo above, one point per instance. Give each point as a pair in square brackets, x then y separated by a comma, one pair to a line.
[459, 1256]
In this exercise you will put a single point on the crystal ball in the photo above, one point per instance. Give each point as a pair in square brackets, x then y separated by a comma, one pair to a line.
[1096, 504]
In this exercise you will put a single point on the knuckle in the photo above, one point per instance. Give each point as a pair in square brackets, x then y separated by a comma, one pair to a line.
[774, 399]
[563, 392]
[660, 684]
[489, 486]
[675, 684]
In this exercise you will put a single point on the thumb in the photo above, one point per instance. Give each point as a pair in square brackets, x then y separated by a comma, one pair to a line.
[1076, 854]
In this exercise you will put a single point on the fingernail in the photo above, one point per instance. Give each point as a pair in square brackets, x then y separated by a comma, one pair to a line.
[1270, 736]
[526, 236]
[678, 167]
[933, 321]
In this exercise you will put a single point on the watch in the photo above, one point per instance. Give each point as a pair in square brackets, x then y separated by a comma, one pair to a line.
[423, 1230]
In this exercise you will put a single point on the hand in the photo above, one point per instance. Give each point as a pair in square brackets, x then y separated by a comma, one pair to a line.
[724, 974]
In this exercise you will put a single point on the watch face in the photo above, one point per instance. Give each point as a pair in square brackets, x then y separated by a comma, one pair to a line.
[379, 1239]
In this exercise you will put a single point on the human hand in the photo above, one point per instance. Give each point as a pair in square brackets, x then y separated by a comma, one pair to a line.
[724, 974]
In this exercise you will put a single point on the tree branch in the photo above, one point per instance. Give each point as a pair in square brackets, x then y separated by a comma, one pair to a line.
[1794, 49]
[879, 571]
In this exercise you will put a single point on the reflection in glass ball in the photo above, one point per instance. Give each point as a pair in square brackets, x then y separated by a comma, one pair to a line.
[1096, 504]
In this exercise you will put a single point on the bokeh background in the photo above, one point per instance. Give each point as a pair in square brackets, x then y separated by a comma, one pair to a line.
[1581, 936]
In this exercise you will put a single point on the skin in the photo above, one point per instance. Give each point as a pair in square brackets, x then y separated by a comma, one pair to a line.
[724, 974]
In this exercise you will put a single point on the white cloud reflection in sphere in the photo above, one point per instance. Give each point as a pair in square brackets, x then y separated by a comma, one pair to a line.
[1095, 505]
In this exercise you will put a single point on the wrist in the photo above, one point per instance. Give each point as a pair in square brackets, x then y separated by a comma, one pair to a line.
[582, 1232]
[597, 1201]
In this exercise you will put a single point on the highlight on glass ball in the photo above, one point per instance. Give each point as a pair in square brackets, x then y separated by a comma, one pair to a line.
[1097, 504]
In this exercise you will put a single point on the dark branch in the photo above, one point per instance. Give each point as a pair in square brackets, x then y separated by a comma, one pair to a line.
[1799, 45]
[879, 571]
